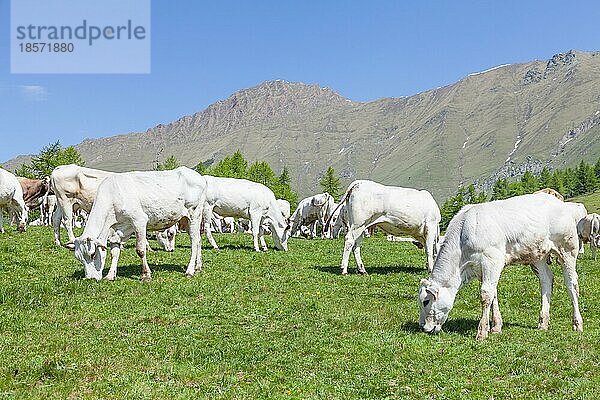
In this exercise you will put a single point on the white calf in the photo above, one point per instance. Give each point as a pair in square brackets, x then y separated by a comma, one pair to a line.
[484, 238]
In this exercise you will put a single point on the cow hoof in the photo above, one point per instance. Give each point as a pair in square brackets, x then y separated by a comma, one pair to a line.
[577, 327]
[481, 336]
[344, 272]
[109, 278]
[146, 278]
[496, 329]
[189, 276]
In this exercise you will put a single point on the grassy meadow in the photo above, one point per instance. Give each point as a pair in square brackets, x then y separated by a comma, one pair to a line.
[277, 325]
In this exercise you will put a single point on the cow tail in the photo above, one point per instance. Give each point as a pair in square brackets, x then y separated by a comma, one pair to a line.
[342, 201]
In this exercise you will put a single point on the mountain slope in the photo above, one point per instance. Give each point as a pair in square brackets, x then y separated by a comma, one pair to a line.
[487, 125]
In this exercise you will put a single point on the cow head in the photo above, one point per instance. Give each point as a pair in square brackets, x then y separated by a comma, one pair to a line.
[280, 231]
[435, 303]
[166, 238]
[92, 254]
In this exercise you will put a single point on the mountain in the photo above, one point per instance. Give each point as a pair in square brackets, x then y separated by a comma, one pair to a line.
[490, 124]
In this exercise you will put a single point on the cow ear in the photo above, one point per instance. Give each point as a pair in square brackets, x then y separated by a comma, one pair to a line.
[424, 282]
[432, 291]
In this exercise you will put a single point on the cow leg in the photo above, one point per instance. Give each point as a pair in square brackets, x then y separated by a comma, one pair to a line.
[261, 238]
[496, 316]
[359, 262]
[140, 247]
[432, 234]
[67, 220]
[56, 221]
[1, 220]
[263, 244]
[593, 247]
[255, 226]
[581, 248]
[351, 236]
[490, 269]
[148, 248]
[22, 209]
[313, 230]
[323, 232]
[115, 252]
[546, 277]
[207, 228]
[572, 284]
[195, 263]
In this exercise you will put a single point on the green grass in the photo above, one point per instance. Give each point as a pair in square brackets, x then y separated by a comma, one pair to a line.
[591, 201]
[277, 325]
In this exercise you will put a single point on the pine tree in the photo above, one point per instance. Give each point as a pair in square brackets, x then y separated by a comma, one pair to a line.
[330, 183]
[170, 162]
[500, 190]
[597, 169]
[201, 168]
[262, 172]
[557, 184]
[239, 165]
[529, 182]
[284, 178]
[545, 178]
[48, 158]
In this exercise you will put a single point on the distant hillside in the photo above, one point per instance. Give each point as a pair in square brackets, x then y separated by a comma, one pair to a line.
[491, 124]
[591, 201]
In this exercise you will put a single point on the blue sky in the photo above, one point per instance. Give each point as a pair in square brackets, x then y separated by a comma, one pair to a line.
[204, 51]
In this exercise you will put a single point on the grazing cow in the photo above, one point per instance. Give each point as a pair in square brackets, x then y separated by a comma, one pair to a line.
[34, 191]
[285, 208]
[166, 238]
[588, 230]
[133, 203]
[551, 192]
[395, 210]
[312, 210]
[484, 238]
[11, 199]
[74, 186]
[241, 198]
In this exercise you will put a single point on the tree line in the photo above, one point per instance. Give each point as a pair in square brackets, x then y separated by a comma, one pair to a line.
[570, 182]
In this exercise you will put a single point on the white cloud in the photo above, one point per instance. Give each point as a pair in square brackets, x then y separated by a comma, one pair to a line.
[33, 92]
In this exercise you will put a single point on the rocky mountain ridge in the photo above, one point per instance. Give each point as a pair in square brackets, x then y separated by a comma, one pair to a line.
[496, 123]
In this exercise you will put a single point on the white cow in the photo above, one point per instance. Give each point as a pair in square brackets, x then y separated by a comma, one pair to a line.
[11, 199]
[166, 238]
[588, 230]
[481, 240]
[241, 198]
[312, 210]
[396, 210]
[134, 202]
[74, 186]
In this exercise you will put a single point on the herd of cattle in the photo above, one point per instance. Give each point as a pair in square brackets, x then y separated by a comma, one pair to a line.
[480, 240]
